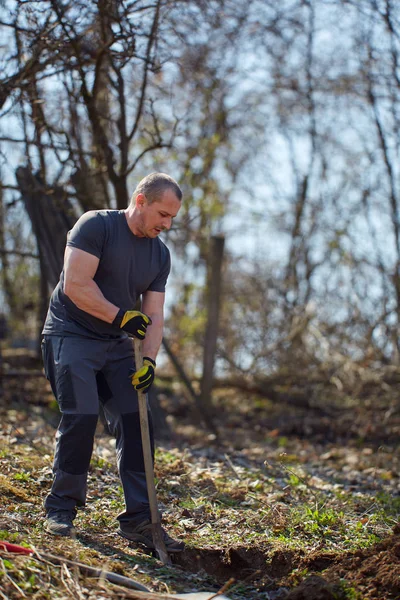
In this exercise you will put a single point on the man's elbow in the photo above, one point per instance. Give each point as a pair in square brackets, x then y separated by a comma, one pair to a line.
[71, 289]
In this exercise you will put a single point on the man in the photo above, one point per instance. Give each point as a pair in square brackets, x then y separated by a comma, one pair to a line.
[112, 258]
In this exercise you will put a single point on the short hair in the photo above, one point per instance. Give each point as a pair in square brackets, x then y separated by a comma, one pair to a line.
[154, 185]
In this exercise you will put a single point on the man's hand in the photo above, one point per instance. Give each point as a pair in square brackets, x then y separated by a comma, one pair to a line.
[142, 379]
[133, 322]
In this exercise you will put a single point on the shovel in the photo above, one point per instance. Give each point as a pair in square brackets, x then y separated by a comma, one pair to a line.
[158, 539]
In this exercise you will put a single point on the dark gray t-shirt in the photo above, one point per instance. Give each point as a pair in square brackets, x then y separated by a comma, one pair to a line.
[128, 267]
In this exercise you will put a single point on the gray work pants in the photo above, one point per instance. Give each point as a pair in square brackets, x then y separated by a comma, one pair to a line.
[83, 372]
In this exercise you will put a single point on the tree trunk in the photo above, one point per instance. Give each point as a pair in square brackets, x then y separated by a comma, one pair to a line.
[202, 412]
[51, 216]
[6, 281]
[211, 333]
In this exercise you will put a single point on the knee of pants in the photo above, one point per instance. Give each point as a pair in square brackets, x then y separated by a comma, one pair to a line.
[74, 443]
[129, 442]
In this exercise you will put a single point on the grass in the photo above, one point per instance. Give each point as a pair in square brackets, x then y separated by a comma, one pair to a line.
[270, 503]
[215, 495]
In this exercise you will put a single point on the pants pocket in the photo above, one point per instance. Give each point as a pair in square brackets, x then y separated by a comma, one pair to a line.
[65, 390]
[44, 350]
[48, 363]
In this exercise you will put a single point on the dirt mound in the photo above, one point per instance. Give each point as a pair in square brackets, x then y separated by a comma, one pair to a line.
[316, 588]
[374, 573]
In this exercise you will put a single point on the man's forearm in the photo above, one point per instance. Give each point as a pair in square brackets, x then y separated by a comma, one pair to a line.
[153, 339]
[90, 299]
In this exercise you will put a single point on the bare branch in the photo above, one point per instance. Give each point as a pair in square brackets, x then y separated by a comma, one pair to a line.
[18, 252]
[146, 65]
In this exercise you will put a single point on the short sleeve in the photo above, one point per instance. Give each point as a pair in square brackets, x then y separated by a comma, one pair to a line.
[159, 283]
[88, 234]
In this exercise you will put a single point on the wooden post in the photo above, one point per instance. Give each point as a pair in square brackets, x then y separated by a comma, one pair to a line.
[211, 332]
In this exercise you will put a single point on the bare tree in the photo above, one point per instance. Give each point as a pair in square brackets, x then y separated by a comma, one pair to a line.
[280, 119]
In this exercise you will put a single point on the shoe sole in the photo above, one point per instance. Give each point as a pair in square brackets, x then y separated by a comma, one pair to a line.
[68, 533]
[140, 539]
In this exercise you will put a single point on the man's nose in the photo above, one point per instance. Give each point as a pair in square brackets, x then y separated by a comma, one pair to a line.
[167, 222]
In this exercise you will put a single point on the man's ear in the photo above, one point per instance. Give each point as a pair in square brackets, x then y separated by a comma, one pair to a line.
[140, 200]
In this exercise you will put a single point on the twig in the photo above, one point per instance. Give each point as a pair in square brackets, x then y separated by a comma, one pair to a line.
[251, 575]
[94, 572]
[64, 570]
[167, 588]
[11, 579]
[3, 596]
[300, 478]
[224, 588]
[18, 253]
[75, 581]
[231, 465]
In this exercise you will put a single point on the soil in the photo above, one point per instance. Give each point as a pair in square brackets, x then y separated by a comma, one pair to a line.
[267, 572]
[374, 572]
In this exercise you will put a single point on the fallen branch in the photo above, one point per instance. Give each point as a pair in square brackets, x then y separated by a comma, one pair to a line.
[93, 571]
[137, 591]
[85, 569]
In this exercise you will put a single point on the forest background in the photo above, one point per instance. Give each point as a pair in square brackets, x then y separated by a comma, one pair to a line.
[279, 372]
[280, 121]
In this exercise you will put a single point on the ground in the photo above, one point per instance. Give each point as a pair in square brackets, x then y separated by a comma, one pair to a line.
[290, 503]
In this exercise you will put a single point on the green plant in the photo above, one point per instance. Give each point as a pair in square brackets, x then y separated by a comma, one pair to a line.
[324, 518]
[21, 476]
[349, 591]
[294, 481]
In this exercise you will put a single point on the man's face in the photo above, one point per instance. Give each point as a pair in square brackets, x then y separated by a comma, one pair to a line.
[157, 216]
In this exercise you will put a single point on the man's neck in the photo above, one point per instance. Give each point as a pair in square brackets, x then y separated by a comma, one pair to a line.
[133, 219]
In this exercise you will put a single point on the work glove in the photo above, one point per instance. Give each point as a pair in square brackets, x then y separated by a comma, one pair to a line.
[144, 377]
[133, 322]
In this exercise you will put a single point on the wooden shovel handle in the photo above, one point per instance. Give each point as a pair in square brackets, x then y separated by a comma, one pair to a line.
[148, 464]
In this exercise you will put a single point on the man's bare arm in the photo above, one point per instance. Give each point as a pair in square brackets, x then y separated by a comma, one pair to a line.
[79, 269]
[153, 306]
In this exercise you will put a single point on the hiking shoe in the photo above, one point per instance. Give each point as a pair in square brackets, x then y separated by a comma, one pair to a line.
[142, 533]
[60, 523]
